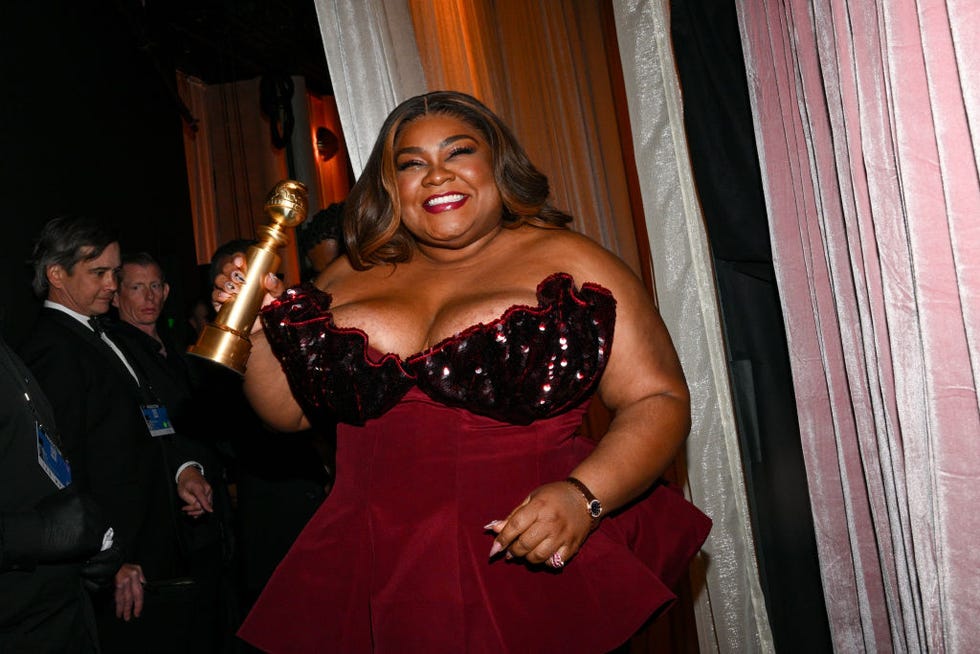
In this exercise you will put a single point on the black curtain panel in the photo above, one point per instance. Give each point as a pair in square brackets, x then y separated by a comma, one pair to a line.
[718, 121]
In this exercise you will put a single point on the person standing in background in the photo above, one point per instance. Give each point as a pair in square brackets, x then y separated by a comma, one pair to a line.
[115, 432]
[47, 529]
[206, 542]
[321, 239]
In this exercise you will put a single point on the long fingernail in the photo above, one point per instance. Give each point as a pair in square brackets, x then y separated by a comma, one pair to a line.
[496, 549]
[238, 277]
[229, 287]
[491, 525]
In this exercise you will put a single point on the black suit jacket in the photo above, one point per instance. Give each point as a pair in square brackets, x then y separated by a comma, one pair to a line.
[44, 609]
[169, 377]
[97, 405]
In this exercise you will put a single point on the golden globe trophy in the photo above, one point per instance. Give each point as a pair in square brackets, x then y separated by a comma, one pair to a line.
[226, 340]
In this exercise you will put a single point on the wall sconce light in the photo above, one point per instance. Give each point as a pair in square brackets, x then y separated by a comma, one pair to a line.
[327, 143]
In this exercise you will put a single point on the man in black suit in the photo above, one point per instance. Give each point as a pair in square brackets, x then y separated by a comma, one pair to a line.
[139, 300]
[47, 529]
[207, 543]
[115, 433]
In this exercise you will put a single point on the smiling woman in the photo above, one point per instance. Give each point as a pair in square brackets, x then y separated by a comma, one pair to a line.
[522, 189]
[460, 344]
[445, 184]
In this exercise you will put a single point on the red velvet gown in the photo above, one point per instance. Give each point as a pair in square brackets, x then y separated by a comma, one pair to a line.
[433, 448]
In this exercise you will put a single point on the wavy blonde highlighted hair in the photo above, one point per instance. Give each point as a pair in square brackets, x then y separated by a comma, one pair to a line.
[372, 212]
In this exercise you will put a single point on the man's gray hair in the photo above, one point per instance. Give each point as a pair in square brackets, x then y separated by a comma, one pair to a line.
[65, 241]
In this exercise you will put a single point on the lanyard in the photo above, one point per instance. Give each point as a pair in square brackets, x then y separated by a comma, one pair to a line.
[24, 383]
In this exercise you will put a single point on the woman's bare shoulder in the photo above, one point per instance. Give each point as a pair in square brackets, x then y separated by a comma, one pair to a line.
[564, 250]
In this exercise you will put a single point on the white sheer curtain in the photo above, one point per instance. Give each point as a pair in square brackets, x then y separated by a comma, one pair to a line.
[374, 65]
[867, 117]
[731, 612]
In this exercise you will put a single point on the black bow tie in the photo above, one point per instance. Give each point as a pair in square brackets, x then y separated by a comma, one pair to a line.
[95, 322]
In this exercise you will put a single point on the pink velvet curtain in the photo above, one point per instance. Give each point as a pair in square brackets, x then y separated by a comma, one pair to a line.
[867, 118]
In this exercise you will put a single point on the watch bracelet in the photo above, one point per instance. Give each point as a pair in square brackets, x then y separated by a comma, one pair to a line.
[589, 498]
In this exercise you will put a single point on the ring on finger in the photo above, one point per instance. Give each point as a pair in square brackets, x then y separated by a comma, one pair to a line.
[556, 561]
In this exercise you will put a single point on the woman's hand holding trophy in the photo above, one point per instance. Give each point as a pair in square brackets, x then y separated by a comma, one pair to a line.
[226, 339]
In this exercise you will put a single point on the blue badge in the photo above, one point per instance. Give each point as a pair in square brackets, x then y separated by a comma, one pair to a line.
[157, 419]
[50, 459]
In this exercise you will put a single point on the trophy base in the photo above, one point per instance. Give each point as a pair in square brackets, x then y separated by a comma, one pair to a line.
[222, 346]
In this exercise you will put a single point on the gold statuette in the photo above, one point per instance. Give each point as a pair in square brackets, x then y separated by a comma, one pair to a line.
[226, 340]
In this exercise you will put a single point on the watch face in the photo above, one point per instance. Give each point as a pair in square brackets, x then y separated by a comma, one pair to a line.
[595, 508]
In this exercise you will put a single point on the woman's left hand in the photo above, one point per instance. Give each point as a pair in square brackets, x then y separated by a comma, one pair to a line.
[548, 527]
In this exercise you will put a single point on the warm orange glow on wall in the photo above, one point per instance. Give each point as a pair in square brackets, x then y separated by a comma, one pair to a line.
[456, 42]
[232, 164]
[542, 67]
[333, 178]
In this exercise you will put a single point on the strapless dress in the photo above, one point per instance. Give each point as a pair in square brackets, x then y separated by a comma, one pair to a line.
[431, 448]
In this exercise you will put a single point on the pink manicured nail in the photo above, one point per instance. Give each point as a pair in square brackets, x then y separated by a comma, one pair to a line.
[490, 525]
[496, 549]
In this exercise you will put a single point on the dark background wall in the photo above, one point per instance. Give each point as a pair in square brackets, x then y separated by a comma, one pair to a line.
[88, 124]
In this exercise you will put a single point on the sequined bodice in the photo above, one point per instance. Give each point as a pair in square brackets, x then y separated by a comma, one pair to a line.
[531, 363]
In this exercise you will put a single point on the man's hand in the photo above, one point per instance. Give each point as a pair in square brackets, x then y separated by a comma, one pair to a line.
[195, 490]
[129, 591]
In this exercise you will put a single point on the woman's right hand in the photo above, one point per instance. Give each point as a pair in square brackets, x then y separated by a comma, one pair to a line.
[228, 283]
[265, 382]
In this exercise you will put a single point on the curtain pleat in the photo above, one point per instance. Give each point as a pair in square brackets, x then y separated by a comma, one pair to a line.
[197, 155]
[863, 117]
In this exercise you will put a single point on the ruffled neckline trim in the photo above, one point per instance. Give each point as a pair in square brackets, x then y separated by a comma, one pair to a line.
[321, 301]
